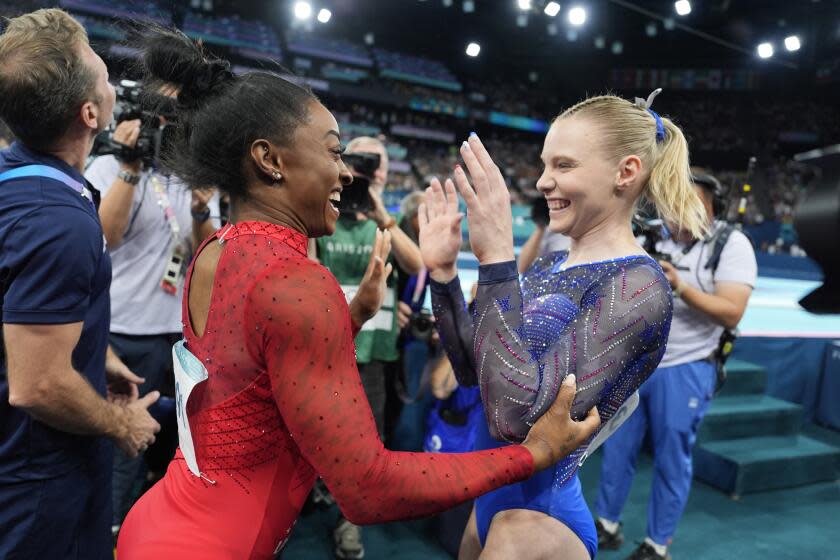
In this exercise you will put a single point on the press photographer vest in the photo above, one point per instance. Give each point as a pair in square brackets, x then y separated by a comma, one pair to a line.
[346, 254]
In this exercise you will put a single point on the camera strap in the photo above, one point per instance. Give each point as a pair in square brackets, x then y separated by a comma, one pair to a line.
[174, 272]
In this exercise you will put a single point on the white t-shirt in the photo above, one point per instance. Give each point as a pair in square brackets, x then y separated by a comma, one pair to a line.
[552, 242]
[139, 306]
[693, 335]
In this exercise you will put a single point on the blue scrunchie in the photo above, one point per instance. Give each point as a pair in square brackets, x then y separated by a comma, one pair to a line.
[660, 128]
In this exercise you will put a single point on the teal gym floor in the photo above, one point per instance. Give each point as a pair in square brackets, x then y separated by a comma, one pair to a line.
[792, 524]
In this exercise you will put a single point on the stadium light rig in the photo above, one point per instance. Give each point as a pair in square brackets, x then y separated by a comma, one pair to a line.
[324, 15]
[765, 50]
[792, 43]
[577, 16]
[552, 9]
[683, 7]
[303, 10]
[473, 49]
[524, 5]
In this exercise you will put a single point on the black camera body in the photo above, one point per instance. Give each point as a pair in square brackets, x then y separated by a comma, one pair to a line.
[355, 197]
[653, 231]
[157, 116]
[421, 325]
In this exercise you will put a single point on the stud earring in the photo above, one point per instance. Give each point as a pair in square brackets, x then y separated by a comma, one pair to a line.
[277, 176]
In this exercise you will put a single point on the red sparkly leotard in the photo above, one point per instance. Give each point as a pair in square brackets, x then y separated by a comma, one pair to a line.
[283, 404]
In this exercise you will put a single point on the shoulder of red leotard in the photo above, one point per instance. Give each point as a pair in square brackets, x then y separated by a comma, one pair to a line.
[291, 275]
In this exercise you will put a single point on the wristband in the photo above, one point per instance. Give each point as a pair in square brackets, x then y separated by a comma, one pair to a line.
[201, 216]
[128, 177]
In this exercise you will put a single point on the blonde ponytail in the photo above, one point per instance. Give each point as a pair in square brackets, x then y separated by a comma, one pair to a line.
[670, 187]
[628, 129]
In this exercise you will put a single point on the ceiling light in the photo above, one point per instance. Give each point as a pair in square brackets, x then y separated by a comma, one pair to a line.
[765, 50]
[324, 15]
[524, 4]
[552, 9]
[303, 10]
[600, 42]
[468, 6]
[577, 16]
[683, 7]
[792, 43]
[650, 29]
[617, 47]
[473, 49]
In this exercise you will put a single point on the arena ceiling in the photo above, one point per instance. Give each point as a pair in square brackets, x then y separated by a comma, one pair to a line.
[717, 33]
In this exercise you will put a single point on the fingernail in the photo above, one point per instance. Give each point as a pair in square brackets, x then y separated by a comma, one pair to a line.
[457, 167]
[569, 379]
[473, 134]
[464, 144]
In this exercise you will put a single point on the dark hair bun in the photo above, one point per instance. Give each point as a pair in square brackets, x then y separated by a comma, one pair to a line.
[203, 81]
[171, 57]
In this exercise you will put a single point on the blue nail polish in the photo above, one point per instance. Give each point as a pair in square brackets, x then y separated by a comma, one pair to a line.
[473, 134]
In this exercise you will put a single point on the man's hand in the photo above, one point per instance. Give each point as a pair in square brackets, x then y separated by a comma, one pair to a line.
[123, 383]
[379, 213]
[127, 133]
[671, 274]
[137, 429]
[403, 314]
[368, 299]
[200, 199]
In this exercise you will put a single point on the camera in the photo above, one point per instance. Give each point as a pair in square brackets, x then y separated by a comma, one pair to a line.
[539, 211]
[355, 197]
[157, 114]
[653, 230]
[421, 325]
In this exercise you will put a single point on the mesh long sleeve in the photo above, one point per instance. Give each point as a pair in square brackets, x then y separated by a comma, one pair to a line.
[455, 326]
[302, 327]
[607, 323]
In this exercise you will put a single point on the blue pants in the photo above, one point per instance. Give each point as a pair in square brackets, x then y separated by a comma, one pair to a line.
[150, 357]
[63, 518]
[672, 404]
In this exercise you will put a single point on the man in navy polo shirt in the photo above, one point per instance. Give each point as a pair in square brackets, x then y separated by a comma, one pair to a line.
[59, 394]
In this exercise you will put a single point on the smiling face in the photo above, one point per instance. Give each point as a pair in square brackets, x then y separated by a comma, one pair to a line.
[579, 181]
[313, 173]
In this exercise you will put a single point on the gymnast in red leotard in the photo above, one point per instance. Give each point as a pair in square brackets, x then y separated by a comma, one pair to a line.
[283, 402]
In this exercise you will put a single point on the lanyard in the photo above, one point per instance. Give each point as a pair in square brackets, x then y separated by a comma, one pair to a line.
[168, 212]
[49, 173]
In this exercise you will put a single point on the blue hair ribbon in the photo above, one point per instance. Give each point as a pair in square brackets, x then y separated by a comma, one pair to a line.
[645, 104]
[660, 128]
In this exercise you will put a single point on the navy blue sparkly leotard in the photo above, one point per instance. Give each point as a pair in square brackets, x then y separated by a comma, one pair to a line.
[606, 322]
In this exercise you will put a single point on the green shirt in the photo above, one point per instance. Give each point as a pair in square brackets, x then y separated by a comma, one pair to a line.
[346, 254]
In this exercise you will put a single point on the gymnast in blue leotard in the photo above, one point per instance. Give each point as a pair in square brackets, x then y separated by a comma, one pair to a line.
[600, 311]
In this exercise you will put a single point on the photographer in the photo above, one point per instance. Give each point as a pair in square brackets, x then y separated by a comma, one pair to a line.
[711, 279]
[152, 224]
[346, 254]
[55, 466]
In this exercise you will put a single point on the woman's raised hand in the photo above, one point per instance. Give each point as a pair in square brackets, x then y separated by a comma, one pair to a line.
[440, 231]
[488, 205]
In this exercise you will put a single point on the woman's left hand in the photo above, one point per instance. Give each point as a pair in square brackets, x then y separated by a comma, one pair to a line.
[488, 205]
